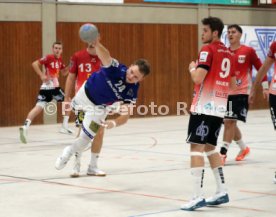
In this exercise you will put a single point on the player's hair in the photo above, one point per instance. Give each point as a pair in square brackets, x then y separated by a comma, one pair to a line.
[57, 42]
[215, 24]
[236, 26]
[143, 65]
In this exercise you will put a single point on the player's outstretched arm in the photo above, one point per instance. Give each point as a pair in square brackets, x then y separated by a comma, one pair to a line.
[103, 53]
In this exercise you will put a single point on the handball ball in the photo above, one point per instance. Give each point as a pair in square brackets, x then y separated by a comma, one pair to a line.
[88, 32]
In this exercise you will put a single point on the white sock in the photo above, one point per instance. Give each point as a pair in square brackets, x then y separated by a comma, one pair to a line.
[241, 144]
[27, 123]
[65, 121]
[198, 175]
[94, 160]
[226, 145]
[218, 173]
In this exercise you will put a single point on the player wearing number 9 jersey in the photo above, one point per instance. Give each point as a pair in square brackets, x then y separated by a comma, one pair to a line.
[213, 76]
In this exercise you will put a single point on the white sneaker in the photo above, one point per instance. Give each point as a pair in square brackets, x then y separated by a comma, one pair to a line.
[23, 134]
[77, 165]
[217, 199]
[94, 171]
[64, 158]
[66, 130]
[193, 204]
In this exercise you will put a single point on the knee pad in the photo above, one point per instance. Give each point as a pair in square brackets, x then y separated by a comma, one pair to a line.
[209, 153]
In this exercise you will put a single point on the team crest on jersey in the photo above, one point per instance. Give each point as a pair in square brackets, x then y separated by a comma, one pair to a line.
[130, 92]
[265, 38]
[203, 56]
[241, 58]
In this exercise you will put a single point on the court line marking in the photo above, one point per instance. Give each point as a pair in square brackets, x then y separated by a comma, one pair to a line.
[121, 192]
[256, 192]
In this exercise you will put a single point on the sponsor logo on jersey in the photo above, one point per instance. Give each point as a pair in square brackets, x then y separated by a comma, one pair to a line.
[238, 82]
[222, 83]
[241, 59]
[203, 56]
[221, 94]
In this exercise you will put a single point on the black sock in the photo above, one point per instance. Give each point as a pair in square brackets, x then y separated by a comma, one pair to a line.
[223, 151]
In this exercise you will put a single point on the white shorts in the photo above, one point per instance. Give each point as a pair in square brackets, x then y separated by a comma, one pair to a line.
[94, 115]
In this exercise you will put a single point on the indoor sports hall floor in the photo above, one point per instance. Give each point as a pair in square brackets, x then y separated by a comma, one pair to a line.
[147, 166]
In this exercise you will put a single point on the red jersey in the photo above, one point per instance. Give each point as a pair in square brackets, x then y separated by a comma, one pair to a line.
[245, 57]
[52, 66]
[272, 54]
[210, 97]
[83, 65]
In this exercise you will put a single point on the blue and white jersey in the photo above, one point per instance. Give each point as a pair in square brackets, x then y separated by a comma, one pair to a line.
[109, 85]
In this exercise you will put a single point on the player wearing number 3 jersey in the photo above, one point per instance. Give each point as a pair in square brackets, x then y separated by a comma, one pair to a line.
[213, 76]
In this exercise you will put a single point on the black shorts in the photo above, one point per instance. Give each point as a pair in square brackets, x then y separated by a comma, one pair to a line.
[237, 107]
[204, 129]
[272, 104]
[49, 95]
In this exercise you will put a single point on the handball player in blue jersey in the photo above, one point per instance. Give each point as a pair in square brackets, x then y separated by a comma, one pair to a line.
[114, 84]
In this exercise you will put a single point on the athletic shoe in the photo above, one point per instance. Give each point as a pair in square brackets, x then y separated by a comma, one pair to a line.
[217, 199]
[223, 158]
[94, 171]
[77, 164]
[243, 154]
[66, 130]
[64, 158]
[193, 204]
[275, 178]
[23, 134]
